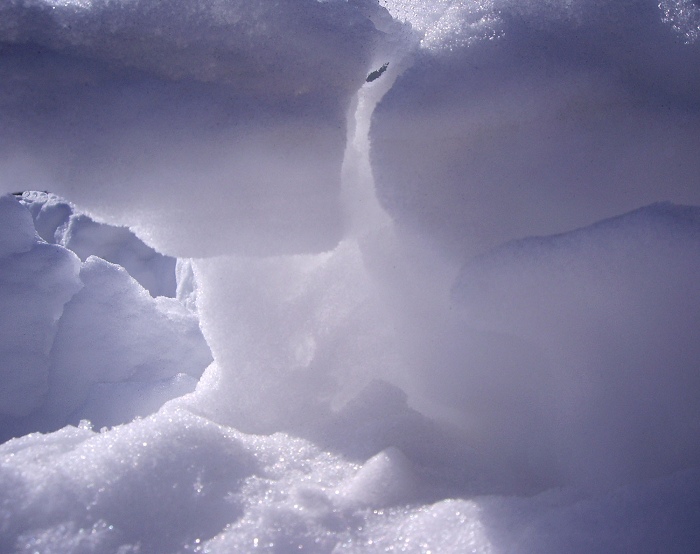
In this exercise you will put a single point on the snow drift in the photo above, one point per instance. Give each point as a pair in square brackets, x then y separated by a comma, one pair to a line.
[511, 309]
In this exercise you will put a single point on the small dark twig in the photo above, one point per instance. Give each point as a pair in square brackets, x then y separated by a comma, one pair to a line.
[378, 73]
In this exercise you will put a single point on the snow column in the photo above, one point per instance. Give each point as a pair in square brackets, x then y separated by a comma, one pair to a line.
[279, 325]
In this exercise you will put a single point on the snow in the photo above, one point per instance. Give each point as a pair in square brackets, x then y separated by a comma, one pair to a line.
[580, 111]
[37, 280]
[57, 222]
[271, 305]
[206, 127]
[613, 308]
[85, 340]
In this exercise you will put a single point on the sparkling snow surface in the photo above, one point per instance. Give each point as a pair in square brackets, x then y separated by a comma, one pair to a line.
[270, 305]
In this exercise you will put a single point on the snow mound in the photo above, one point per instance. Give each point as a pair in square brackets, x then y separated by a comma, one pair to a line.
[231, 492]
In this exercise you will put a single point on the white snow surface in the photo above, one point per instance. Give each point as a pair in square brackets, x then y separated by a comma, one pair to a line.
[453, 309]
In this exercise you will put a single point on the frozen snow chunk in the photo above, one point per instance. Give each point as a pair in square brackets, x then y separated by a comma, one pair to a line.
[291, 47]
[153, 271]
[614, 308]
[108, 354]
[57, 221]
[114, 332]
[192, 168]
[36, 280]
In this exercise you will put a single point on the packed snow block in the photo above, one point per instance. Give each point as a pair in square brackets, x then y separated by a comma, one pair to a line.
[533, 118]
[57, 221]
[614, 307]
[206, 128]
[36, 280]
[118, 352]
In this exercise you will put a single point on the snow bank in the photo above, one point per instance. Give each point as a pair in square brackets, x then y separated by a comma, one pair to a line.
[112, 331]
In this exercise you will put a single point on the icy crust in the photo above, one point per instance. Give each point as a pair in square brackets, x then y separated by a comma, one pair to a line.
[84, 340]
[614, 308]
[578, 111]
[112, 331]
[207, 128]
[81, 491]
